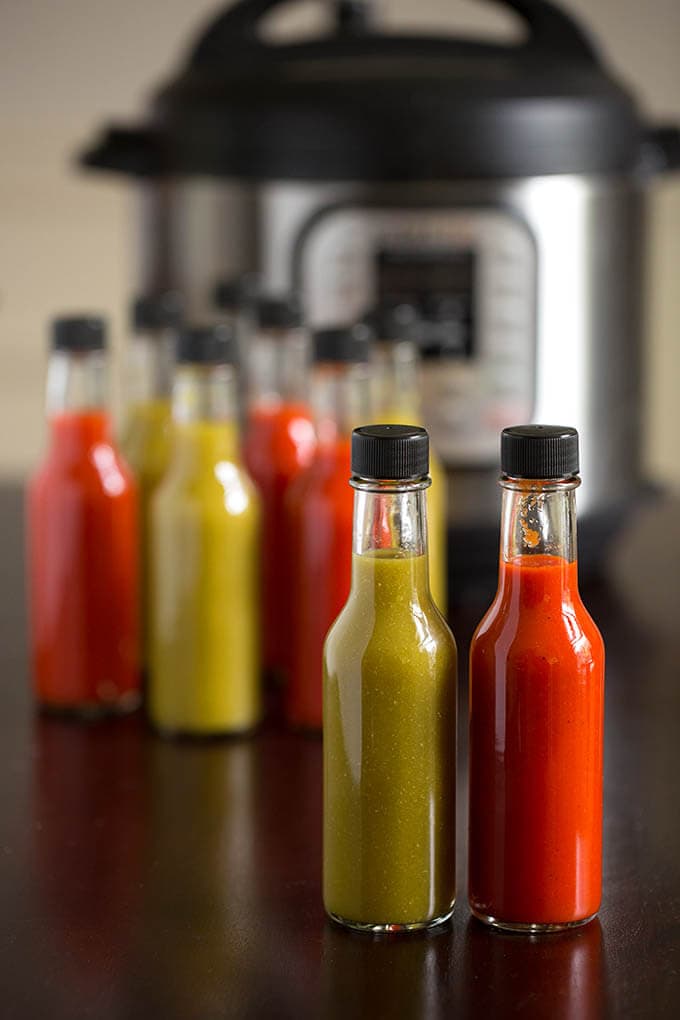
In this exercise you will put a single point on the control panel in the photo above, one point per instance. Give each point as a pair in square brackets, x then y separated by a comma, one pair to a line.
[471, 273]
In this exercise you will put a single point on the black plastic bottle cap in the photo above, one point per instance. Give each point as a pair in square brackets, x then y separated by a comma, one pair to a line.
[278, 311]
[206, 345]
[394, 322]
[539, 451]
[236, 293]
[79, 333]
[158, 311]
[343, 344]
[390, 452]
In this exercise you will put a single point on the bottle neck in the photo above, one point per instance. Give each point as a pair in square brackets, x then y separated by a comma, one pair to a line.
[538, 528]
[278, 366]
[77, 383]
[396, 389]
[150, 366]
[204, 411]
[390, 524]
[341, 400]
[390, 519]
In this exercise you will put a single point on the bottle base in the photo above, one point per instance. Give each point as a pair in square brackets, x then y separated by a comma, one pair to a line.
[180, 733]
[386, 928]
[92, 711]
[523, 928]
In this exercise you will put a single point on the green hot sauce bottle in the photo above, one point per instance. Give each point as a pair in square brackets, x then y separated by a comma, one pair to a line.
[389, 713]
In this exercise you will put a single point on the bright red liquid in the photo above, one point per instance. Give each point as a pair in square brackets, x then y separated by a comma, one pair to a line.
[82, 538]
[279, 445]
[536, 729]
[320, 506]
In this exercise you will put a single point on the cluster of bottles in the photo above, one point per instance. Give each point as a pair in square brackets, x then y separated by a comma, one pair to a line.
[388, 663]
[230, 507]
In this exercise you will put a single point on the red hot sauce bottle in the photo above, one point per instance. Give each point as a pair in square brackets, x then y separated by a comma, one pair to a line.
[279, 444]
[536, 705]
[82, 539]
[319, 506]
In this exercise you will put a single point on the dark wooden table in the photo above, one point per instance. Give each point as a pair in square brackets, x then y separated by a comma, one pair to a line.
[141, 878]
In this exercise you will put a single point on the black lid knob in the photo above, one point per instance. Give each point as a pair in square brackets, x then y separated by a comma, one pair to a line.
[157, 311]
[394, 452]
[343, 344]
[278, 311]
[79, 333]
[236, 293]
[539, 451]
[399, 321]
[206, 345]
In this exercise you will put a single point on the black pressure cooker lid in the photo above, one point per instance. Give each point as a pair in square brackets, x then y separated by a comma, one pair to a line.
[358, 104]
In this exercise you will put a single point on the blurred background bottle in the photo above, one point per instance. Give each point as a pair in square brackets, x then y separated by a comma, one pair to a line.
[205, 543]
[147, 431]
[82, 538]
[235, 300]
[279, 443]
[397, 401]
[319, 506]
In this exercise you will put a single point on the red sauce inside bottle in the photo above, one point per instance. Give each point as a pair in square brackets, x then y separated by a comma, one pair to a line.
[320, 508]
[279, 444]
[536, 731]
[83, 562]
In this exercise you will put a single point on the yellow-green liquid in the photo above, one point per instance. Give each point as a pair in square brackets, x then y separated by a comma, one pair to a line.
[147, 439]
[146, 443]
[389, 749]
[205, 633]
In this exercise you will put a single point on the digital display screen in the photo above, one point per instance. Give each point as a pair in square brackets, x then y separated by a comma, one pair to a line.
[440, 283]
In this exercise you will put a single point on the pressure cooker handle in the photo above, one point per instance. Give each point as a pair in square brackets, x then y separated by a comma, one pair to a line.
[242, 20]
[551, 30]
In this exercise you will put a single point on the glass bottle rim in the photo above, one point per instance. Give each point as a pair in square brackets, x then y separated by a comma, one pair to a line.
[515, 484]
[389, 485]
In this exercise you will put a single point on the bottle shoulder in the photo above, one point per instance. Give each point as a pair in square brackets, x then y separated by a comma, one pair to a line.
[146, 443]
[279, 437]
[557, 629]
[222, 485]
[97, 469]
[417, 635]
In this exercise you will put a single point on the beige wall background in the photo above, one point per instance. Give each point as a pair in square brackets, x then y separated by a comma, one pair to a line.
[65, 237]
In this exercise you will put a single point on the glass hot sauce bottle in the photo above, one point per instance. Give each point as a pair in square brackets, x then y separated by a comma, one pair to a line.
[279, 444]
[389, 709]
[146, 438]
[536, 705]
[147, 431]
[235, 298]
[82, 539]
[205, 565]
[319, 508]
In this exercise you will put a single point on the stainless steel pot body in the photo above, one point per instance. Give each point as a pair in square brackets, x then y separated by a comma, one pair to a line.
[546, 273]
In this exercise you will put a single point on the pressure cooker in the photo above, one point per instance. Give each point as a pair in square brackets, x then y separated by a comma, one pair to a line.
[498, 187]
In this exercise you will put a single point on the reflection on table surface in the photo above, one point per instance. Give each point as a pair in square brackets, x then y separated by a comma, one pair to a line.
[558, 975]
[178, 875]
